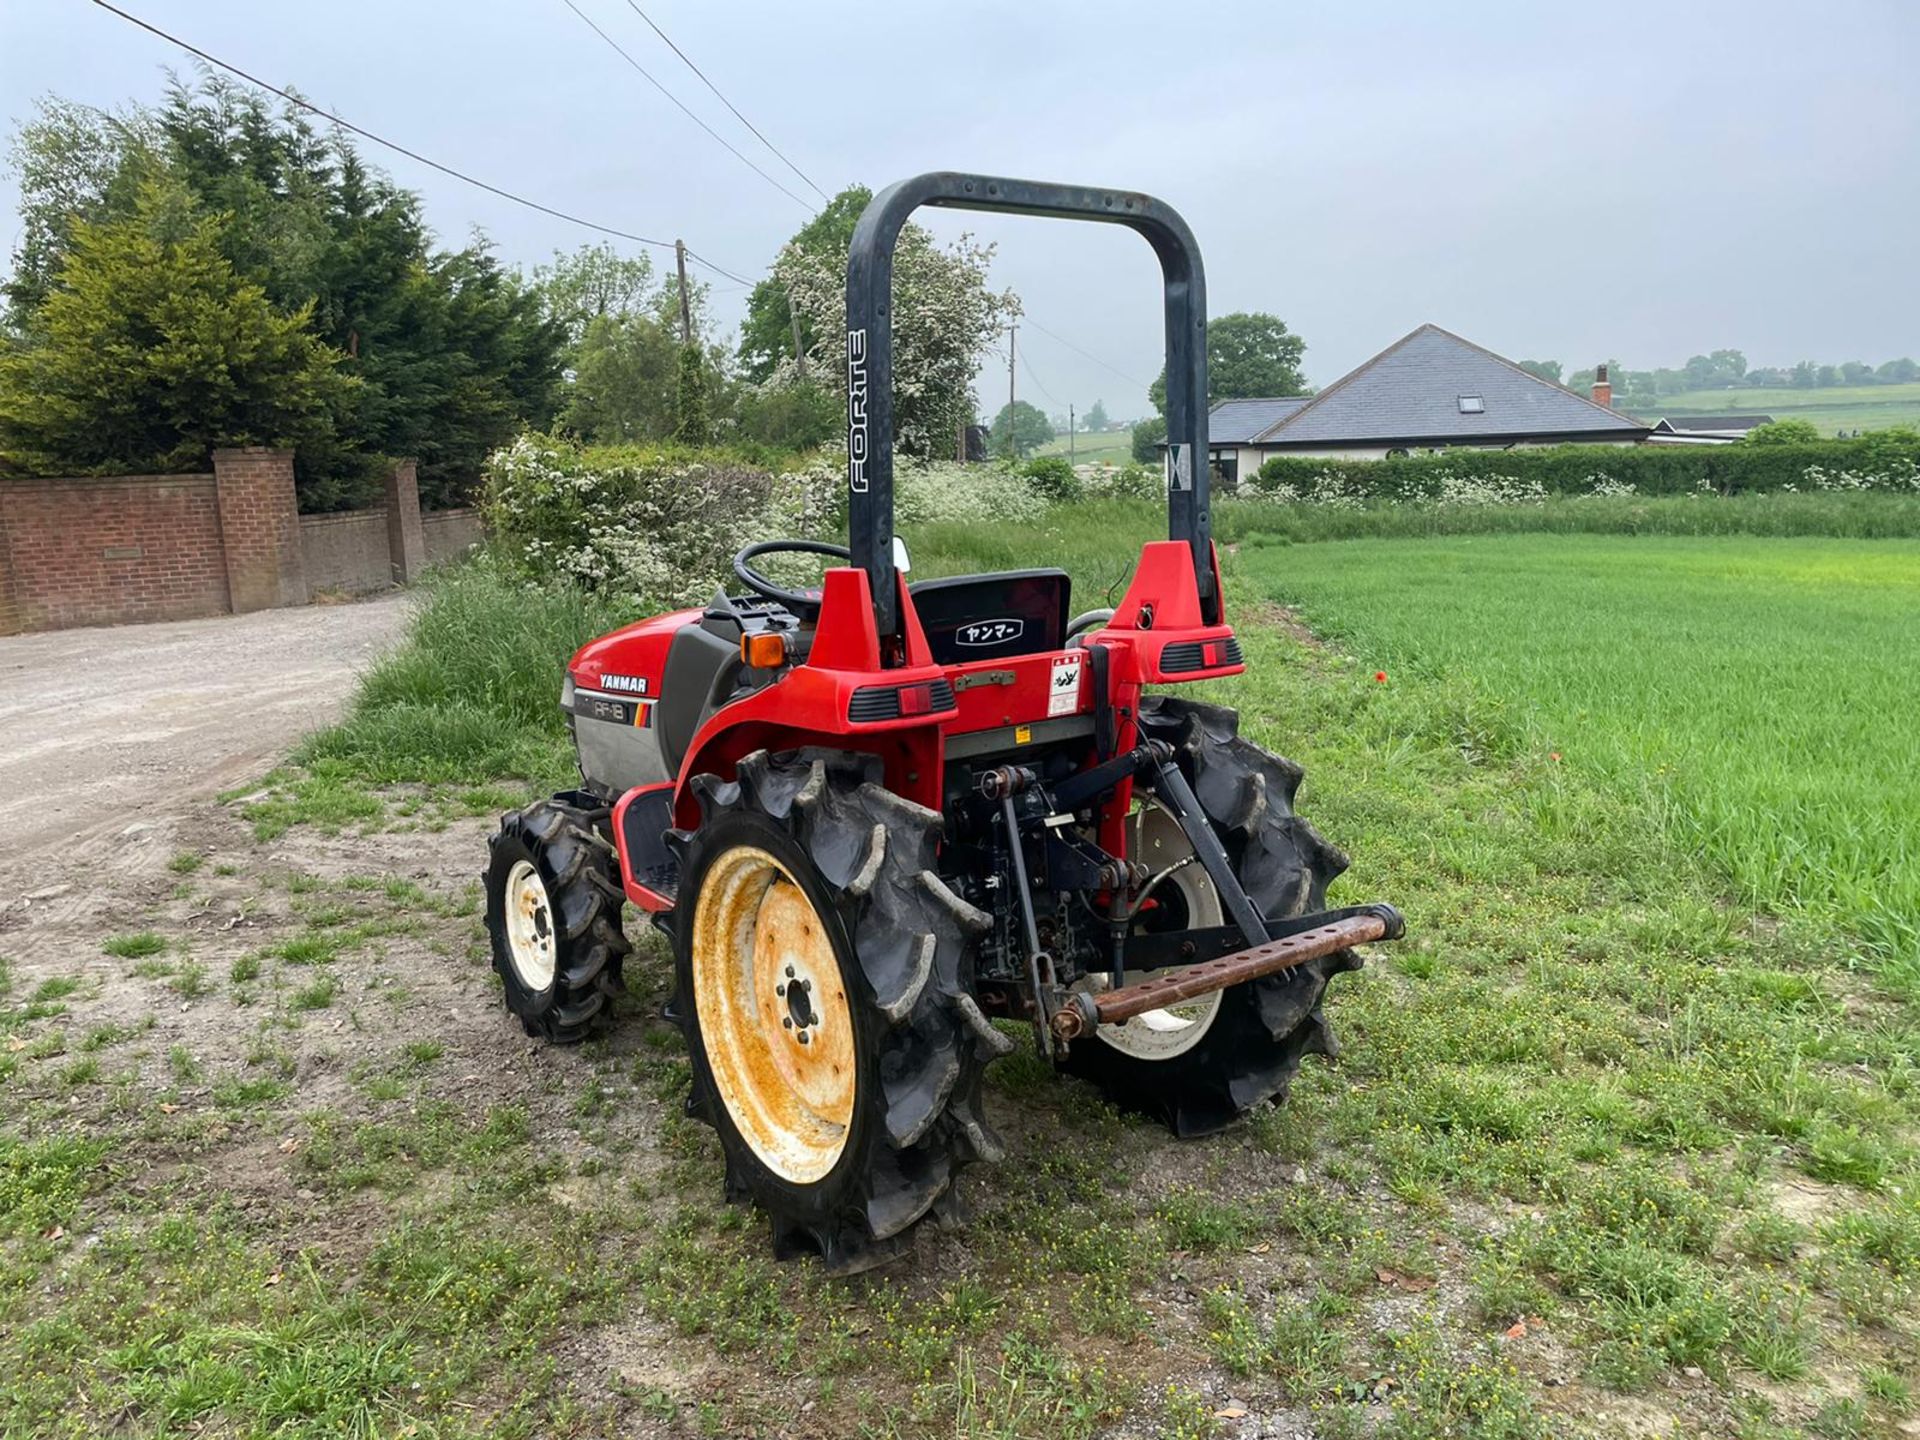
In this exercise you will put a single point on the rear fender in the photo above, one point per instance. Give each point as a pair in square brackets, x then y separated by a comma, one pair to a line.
[1159, 632]
[811, 703]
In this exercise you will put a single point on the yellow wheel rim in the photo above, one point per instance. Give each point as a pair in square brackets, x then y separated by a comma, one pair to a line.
[774, 1017]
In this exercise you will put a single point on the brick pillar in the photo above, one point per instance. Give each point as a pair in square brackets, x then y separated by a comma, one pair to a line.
[406, 538]
[259, 528]
[12, 622]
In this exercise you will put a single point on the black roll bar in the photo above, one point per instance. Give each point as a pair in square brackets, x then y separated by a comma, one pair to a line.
[870, 357]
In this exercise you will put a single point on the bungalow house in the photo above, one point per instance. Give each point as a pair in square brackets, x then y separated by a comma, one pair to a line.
[1430, 390]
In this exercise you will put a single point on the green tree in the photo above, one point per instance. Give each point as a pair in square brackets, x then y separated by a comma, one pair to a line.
[1248, 354]
[74, 164]
[150, 350]
[944, 317]
[1898, 372]
[1782, 432]
[766, 335]
[792, 411]
[625, 371]
[1148, 436]
[1543, 369]
[1096, 417]
[596, 282]
[1020, 429]
[452, 354]
[692, 424]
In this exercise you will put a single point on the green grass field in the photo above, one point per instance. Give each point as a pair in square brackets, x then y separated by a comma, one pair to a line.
[1842, 407]
[1623, 1140]
[1745, 691]
[1110, 447]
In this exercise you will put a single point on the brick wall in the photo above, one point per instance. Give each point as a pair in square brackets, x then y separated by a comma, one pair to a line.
[347, 552]
[131, 548]
[104, 551]
[356, 552]
[450, 534]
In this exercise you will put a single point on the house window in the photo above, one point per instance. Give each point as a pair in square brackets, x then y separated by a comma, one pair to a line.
[1472, 405]
[1226, 468]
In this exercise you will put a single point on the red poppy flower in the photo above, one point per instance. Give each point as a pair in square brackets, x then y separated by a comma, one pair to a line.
[1381, 676]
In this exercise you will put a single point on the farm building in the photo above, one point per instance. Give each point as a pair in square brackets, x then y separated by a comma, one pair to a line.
[1429, 390]
[1704, 429]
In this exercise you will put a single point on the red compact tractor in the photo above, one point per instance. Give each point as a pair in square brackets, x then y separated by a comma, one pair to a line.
[874, 817]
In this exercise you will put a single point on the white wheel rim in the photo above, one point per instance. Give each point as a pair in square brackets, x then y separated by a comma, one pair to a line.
[776, 1023]
[530, 937]
[1158, 842]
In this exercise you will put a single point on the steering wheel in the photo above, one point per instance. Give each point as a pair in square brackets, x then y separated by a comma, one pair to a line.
[804, 603]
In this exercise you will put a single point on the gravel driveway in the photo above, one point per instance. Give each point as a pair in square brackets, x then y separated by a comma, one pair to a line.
[103, 728]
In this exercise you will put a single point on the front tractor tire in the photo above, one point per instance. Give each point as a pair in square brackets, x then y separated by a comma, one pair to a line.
[1253, 1042]
[553, 918]
[823, 978]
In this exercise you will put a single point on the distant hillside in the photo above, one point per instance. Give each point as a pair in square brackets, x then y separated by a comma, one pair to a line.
[1838, 407]
[1113, 447]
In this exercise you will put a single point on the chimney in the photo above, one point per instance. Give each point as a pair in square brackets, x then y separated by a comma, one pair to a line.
[1602, 387]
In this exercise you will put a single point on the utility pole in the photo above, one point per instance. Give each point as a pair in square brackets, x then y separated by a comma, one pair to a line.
[1069, 432]
[1012, 331]
[686, 310]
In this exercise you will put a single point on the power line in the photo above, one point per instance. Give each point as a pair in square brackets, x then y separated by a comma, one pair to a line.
[724, 101]
[1079, 351]
[396, 147]
[1027, 366]
[647, 75]
[740, 280]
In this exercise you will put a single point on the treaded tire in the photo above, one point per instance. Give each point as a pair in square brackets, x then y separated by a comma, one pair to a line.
[582, 879]
[905, 948]
[1263, 1028]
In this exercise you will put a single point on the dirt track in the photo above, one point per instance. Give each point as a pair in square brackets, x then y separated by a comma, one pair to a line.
[105, 728]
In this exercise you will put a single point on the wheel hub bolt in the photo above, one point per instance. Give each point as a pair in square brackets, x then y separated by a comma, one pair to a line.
[803, 1037]
[780, 990]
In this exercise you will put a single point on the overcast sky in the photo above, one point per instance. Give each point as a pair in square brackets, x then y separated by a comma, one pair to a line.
[1570, 182]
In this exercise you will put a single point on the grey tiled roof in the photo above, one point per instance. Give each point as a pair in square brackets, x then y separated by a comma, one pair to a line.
[1412, 391]
[1234, 422]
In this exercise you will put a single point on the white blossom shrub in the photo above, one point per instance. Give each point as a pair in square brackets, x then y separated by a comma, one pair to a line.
[1488, 490]
[944, 317]
[1121, 482]
[1327, 488]
[1896, 474]
[1605, 485]
[926, 492]
[651, 531]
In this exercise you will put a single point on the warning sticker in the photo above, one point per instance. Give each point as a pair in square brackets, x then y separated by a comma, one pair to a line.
[1063, 698]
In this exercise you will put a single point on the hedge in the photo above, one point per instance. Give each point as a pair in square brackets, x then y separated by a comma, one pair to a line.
[1577, 469]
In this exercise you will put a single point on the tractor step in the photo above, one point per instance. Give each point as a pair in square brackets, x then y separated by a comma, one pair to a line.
[1083, 1012]
[643, 835]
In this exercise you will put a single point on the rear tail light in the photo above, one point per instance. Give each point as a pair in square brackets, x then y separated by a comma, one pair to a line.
[899, 702]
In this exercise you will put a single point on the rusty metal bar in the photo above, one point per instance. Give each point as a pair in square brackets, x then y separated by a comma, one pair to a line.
[1173, 986]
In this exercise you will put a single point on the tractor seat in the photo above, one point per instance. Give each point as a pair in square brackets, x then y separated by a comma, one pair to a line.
[991, 617]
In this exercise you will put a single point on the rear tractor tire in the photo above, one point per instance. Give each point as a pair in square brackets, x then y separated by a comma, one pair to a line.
[553, 918]
[1201, 1068]
[823, 978]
